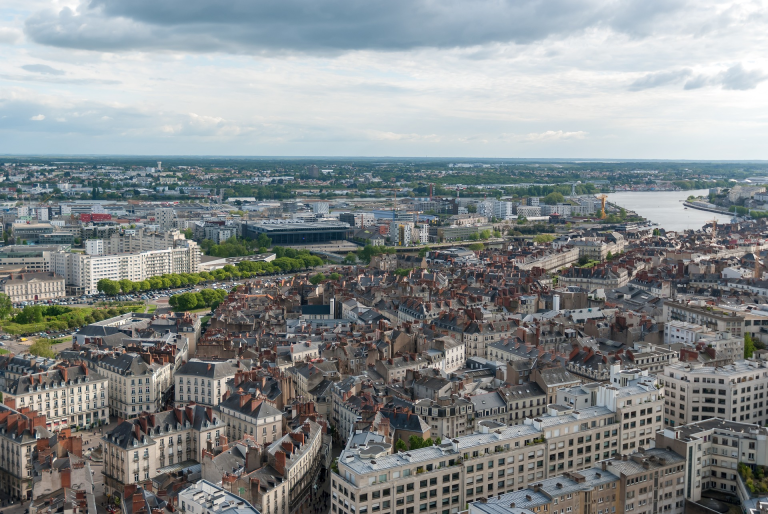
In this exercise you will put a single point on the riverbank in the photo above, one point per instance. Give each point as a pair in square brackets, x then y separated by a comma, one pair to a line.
[667, 209]
[702, 208]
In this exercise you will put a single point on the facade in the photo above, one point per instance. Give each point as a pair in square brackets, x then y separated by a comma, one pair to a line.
[734, 392]
[713, 319]
[30, 287]
[358, 219]
[298, 457]
[135, 386]
[36, 258]
[83, 272]
[202, 382]
[67, 396]
[166, 218]
[244, 414]
[135, 450]
[448, 417]
[19, 431]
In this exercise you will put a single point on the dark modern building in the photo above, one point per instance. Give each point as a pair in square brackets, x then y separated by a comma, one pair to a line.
[301, 232]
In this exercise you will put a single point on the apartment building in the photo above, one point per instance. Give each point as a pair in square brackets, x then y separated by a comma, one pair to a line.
[67, 396]
[244, 414]
[298, 457]
[202, 382]
[714, 449]
[19, 431]
[82, 272]
[647, 482]
[634, 397]
[35, 258]
[710, 317]
[135, 450]
[735, 392]
[448, 417]
[135, 385]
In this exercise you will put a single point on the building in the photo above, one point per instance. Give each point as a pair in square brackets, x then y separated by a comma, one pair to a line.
[697, 392]
[448, 417]
[293, 233]
[244, 414]
[203, 497]
[714, 449]
[33, 258]
[166, 218]
[202, 382]
[698, 313]
[19, 433]
[82, 272]
[31, 232]
[322, 208]
[135, 450]
[681, 332]
[135, 385]
[298, 457]
[67, 396]
[528, 211]
[402, 233]
[358, 219]
[456, 232]
[94, 246]
[31, 287]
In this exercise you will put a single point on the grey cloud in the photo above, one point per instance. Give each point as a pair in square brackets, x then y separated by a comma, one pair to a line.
[43, 68]
[334, 26]
[661, 78]
[9, 35]
[735, 78]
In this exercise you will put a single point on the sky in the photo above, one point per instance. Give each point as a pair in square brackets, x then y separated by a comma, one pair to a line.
[625, 79]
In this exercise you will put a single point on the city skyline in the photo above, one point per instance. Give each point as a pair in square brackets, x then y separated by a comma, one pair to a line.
[588, 79]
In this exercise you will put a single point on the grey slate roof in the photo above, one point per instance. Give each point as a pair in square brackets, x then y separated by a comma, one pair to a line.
[205, 369]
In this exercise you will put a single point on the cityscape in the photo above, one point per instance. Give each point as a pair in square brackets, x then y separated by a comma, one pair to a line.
[337, 257]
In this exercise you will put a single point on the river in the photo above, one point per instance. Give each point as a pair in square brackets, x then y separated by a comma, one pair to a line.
[666, 208]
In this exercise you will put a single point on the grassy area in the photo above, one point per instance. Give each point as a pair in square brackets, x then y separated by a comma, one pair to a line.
[61, 340]
[205, 320]
[196, 311]
[151, 308]
[3, 351]
[56, 318]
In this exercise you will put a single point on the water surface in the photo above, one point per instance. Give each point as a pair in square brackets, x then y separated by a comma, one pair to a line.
[666, 208]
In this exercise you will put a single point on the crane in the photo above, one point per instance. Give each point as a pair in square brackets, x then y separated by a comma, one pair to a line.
[714, 228]
[602, 199]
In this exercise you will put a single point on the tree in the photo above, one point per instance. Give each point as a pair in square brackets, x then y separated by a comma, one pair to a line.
[522, 220]
[6, 306]
[42, 349]
[485, 234]
[263, 241]
[126, 286]
[424, 251]
[476, 247]
[749, 346]
[543, 238]
[107, 286]
[350, 258]
[554, 198]
[316, 279]
[187, 233]
[471, 208]
[334, 276]
[401, 446]
[186, 301]
[497, 233]
[609, 256]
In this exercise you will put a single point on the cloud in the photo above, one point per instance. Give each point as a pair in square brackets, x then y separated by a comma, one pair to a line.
[554, 135]
[735, 78]
[38, 117]
[661, 78]
[335, 26]
[197, 125]
[9, 36]
[43, 68]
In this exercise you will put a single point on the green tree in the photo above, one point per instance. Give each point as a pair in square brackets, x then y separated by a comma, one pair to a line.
[186, 301]
[471, 208]
[424, 251]
[42, 348]
[334, 276]
[6, 306]
[316, 279]
[400, 445]
[263, 241]
[108, 286]
[749, 346]
[609, 256]
[485, 234]
[187, 233]
[126, 286]
[554, 198]
[476, 247]
[521, 220]
[543, 238]
[350, 258]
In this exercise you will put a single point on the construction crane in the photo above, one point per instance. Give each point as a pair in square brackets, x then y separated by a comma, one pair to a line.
[602, 199]
[714, 228]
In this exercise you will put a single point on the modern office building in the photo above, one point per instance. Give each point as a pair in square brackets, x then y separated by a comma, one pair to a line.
[292, 233]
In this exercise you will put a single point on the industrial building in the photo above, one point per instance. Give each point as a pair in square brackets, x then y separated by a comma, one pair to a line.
[292, 233]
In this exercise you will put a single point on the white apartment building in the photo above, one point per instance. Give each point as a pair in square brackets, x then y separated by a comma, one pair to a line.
[682, 332]
[69, 397]
[202, 382]
[94, 246]
[401, 233]
[166, 218]
[84, 271]
[135, 386]
[206, 498]
[736, 392]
